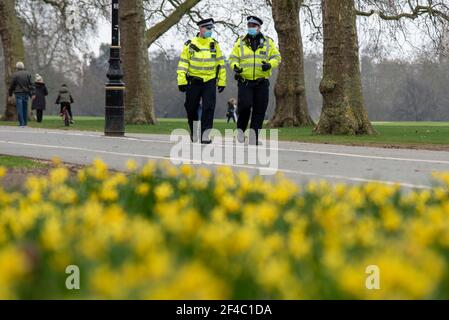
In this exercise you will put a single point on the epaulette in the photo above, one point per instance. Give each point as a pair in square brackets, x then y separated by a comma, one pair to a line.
[192, 46]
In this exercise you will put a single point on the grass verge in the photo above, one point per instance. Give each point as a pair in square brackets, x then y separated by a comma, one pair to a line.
[12, 162]
[419, 135]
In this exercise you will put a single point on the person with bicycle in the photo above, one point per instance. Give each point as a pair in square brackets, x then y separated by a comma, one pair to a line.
[65, 100]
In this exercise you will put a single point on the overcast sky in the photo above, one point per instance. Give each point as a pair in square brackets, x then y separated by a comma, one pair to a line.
[174, 40]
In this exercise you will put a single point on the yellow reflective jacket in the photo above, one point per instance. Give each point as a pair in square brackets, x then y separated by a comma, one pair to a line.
[244, 57]
[202, 58]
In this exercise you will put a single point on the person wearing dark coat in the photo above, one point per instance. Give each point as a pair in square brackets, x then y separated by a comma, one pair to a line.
[39, 102]
[65, 99]
[232, 110]
[22, 87]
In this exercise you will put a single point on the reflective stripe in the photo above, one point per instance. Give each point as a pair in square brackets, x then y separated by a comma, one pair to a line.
[207, 59]
[203, 60]
[268, 47]
[275, 56]
[242, 50]
[258, 56]
[232, 57]
[184, 60]
[250, 65]
[183, 69]
[200, 50]
[202, 68]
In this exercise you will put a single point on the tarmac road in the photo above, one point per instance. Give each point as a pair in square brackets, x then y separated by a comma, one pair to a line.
[300, 162]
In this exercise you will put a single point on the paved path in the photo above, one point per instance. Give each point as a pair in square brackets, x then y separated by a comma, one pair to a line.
[299, 161]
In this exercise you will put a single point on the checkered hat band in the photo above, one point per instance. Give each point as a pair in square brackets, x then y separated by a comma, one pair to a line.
[252, 20]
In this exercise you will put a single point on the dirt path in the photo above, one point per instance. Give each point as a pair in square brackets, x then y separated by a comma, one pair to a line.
[15, 177]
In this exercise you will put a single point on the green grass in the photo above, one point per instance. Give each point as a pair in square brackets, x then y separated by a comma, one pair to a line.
[400, 134]
[392, 133]
[19, 162]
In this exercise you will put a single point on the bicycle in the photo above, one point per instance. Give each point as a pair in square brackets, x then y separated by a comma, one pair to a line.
[65, 116]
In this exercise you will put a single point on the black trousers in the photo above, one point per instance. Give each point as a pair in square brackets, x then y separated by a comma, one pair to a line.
[207, 91]
[39, 115]
[253, 103]
[231, 115]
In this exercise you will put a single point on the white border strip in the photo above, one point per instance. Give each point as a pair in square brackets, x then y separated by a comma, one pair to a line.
[338, 154]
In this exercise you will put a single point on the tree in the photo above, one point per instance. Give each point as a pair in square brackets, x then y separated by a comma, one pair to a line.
[13, 49]
[136, 66]
[290, 92]
[343, 105]
[43, 20]
[135, 40]
[136, 15]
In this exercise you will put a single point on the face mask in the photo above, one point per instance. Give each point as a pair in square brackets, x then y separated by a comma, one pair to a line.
[252, 31]
[208, 34]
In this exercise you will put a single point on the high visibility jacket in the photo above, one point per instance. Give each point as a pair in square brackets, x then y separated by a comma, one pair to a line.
[202, 58]
[244, 57]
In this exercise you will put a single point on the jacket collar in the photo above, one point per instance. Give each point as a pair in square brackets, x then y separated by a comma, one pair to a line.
[263, 39]
[203, 40]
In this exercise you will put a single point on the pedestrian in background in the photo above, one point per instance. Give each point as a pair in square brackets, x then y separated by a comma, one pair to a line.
[65, 100]
[200, 109]
[39, 102]
[232, 110]
[22, 87]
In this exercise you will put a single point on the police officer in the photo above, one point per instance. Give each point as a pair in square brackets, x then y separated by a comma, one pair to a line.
[201, 70]
[253, 58]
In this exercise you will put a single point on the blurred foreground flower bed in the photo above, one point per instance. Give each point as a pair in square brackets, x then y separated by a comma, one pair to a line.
[165, 232]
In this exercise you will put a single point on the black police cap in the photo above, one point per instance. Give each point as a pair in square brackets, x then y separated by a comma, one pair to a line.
[206, 23]
[255, 20]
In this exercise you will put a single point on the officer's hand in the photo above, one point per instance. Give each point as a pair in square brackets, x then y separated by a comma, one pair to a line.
[221, 89]
[183, 88]
[266, 66]
[238, 70]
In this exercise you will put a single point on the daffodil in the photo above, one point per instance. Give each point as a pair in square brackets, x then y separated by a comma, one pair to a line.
[163, 191]
[167, 232]
[2, 172]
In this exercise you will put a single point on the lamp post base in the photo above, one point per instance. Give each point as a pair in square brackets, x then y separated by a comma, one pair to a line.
[115, 111]
[114, 134]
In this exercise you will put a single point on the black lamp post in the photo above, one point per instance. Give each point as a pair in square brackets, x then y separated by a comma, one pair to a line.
[115, 88]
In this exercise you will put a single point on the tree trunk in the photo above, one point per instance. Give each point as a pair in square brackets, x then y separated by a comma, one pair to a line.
[343, 104]
[139, 104]
[13, 49]
[135, 42]
[291, 103]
